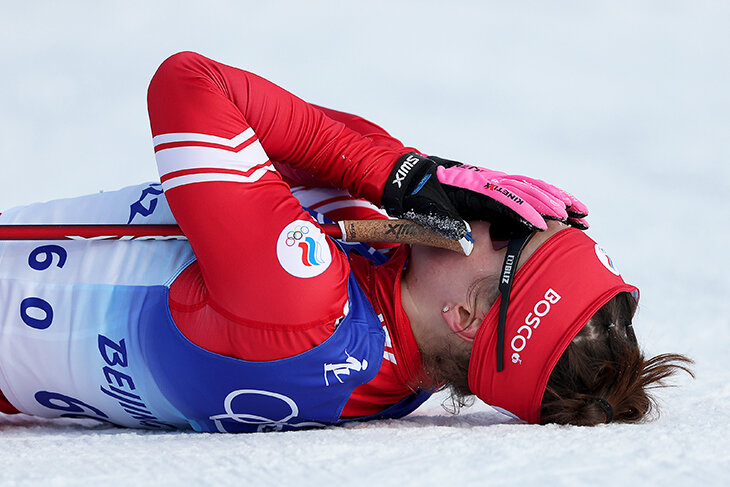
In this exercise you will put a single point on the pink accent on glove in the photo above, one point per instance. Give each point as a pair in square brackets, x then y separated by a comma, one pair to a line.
[533, 199]
[573, 205]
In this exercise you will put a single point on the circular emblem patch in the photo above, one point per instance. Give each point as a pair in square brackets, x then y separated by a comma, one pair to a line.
[606, 260]
[302, 249]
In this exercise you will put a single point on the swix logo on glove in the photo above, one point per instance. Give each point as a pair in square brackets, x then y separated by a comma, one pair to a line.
[405, 167]
[532, 321]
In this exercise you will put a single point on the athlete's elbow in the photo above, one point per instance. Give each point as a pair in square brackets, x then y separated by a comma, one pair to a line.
[181, 59]
[174, 70]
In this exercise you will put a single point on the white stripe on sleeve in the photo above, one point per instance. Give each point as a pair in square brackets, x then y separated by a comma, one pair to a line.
[215, 177]
[181, 158]
[193, 137]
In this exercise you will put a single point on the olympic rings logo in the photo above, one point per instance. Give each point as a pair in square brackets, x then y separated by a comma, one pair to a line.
[302, 249]
[295, 235]
[263, 423]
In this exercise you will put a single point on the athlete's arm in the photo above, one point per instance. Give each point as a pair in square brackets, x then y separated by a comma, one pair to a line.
[294, 132]
[364, 127]
[377, 134]
[216, 130]
[229, 200]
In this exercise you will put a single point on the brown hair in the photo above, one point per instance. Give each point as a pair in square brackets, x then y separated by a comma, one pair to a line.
[603, 375]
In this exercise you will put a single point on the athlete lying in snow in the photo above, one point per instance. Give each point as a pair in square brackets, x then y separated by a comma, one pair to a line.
[261, 322]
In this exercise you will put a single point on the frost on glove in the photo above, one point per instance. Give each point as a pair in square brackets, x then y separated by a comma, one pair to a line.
[413, 191]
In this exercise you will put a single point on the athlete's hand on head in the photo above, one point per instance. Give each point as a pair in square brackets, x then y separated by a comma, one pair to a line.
[480, 193]
[442, 194]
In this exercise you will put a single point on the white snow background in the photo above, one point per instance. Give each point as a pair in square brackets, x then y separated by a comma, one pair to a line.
[625, 103]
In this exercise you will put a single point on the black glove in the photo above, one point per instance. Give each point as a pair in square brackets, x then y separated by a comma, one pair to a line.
[515, 205]
[505, 224]
[414, 192]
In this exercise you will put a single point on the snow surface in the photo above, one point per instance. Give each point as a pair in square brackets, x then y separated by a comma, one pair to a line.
[625, 103]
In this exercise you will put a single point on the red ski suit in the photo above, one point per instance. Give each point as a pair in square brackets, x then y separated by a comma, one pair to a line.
[219, 134]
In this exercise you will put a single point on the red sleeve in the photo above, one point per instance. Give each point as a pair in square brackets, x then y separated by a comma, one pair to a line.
[366, 128]
[261, 257]
[290, 130]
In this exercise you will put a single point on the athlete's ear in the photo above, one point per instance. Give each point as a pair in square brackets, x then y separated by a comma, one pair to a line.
[460, 321]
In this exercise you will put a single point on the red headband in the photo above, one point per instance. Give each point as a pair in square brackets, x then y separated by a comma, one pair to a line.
[554, 294]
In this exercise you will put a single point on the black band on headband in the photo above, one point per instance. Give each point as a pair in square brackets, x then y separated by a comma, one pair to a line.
[606, 407]
[509, 269]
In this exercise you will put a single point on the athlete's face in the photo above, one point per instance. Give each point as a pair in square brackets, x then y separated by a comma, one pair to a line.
[443, 280]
